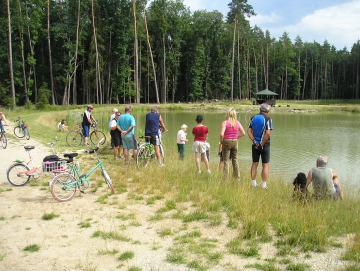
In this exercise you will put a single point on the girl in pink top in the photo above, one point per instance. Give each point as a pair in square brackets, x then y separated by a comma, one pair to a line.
[231, 130]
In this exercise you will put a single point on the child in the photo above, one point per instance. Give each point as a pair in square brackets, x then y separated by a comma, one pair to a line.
[180, 141]
[61, 126]
[200, 132]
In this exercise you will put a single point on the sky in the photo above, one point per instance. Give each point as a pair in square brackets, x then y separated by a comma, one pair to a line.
[337, 21]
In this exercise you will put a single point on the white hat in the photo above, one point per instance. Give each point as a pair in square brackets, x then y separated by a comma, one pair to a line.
[183, 126]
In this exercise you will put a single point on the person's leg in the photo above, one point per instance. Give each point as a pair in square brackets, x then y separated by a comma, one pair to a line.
[116, 150]
[233, 155]
[206, 161]
[86, 131]
[181, 148]
[265, 159]
[179, 151]
[255, 158]
[226, 155]
[197, 161]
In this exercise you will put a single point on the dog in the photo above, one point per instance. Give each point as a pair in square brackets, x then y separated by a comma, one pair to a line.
[300, 190]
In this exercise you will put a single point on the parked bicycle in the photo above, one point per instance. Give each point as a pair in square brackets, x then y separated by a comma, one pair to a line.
[20, 173]
[3, 139]
[75, 137]
[146, 152]
[21, 129]
[63, 187]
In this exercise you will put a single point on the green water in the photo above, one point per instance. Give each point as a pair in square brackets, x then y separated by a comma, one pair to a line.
[296, 141]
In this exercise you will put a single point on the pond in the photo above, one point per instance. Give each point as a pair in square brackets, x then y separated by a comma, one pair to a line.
[296, 141]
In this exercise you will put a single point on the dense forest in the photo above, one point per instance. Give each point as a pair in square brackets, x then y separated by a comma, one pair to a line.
[65, 52]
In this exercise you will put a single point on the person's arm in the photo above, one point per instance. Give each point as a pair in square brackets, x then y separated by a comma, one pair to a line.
[162, 125]
[183, 137]
[250, 134]
[266, 137]
[5, 122]
[336, 180]
[309, 179]
[222, 131]
[241, 131]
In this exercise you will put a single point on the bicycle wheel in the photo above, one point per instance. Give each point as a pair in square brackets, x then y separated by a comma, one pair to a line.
[4, 140]
[26, 133]
[143, 155]
[16, 175]
[96, 136]
[62, 187]
[74, 138]
[18, 131]
[108, 181]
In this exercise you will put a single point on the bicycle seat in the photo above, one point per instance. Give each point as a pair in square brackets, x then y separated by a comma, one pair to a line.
[71, 155]
[28, 148]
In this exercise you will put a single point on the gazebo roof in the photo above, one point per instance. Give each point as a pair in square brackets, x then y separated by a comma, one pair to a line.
[266, 92]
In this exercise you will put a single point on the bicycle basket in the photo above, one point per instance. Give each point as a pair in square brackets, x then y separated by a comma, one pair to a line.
[53, 162]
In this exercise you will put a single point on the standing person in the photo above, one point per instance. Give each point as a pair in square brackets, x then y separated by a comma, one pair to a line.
[153, 122]
[88, 119]
[62, 126]
[116, 136]
[126, 124]
[259, 133]
[231, 130]
[324, 180]
[200, 133]
[112, 116]
[3, 121]
[180, 141]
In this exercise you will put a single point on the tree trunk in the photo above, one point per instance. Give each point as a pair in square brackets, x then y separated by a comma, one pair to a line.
[50, 58]
[21, 30]
[136, 52]
[97, 65]
[152, 59]
[10, 54]
[233, 61]
[76, 55]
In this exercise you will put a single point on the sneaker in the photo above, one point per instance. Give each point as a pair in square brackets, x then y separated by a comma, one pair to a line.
[162, 165]
[209, 171]
[119, 156]
[116, 158]
[254, 185]
[86, 144]
[199, 172]
[265, 187]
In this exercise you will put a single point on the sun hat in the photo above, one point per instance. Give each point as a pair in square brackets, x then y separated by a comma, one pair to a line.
[183, 126]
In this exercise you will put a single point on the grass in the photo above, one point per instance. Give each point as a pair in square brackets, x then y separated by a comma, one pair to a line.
[127, 255]
[49, 216]
[195, 203]
[32, 248]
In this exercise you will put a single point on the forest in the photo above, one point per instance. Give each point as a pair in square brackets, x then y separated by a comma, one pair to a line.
[63, 52]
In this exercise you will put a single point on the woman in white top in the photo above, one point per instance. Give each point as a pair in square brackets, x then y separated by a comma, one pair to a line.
[181, 139]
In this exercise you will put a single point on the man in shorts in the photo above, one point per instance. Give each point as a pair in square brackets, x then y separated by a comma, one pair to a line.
[259, 133]
[126, 124]
[153, 124]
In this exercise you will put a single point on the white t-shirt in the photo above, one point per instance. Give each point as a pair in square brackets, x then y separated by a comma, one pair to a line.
[110, 121]
[59, 125]
[180, 135]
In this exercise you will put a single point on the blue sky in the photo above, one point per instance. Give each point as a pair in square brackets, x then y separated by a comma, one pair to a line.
[337, 21]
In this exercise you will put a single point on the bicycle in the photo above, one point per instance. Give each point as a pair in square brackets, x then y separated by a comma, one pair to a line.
[75, 137]
[3, 139]
[19, 174]
[63, 187]
[21, 129]
[146, 152]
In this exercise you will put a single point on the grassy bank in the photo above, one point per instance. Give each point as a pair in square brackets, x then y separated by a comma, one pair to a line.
[258, 216]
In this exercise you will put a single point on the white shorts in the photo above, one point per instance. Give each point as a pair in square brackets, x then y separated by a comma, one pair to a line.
[198, 146]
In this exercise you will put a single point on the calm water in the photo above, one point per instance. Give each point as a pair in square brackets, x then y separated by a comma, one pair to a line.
[296, 141]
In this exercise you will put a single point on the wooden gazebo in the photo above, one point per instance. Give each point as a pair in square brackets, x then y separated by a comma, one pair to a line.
[266, 96]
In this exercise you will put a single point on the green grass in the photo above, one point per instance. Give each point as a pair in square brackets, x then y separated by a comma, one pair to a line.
[127, 255]
[111, 235]
[49, 216]
[32, 248]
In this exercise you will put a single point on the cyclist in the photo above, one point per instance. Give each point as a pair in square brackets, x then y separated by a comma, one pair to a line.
[88, 119]
[2, 119]
[153, 122]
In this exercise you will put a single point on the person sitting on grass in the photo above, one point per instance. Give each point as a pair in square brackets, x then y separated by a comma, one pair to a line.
[61, 126]
[324, 180]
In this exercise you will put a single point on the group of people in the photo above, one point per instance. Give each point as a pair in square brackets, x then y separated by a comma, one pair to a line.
[122, 126]
[324, 180]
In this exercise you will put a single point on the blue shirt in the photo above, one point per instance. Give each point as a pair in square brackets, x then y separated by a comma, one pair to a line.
[260, 124]
[125, 121]
[152, 123]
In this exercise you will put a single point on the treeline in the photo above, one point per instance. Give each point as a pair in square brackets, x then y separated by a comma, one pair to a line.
[122, 51]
